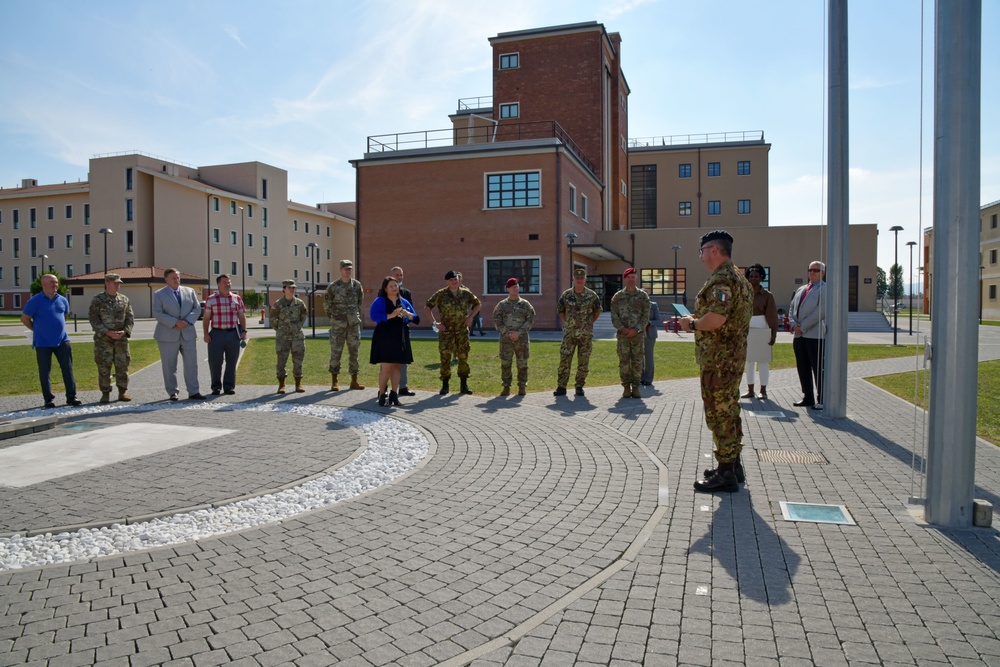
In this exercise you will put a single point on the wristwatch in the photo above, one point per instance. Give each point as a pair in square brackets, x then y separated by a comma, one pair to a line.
[692, 324]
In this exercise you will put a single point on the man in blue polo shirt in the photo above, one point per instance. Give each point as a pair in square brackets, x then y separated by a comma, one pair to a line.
[45, 314]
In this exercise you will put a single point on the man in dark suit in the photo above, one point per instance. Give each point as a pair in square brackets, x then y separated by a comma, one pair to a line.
[807, 313]
[397, 275]
[176, 310]
[649, 367]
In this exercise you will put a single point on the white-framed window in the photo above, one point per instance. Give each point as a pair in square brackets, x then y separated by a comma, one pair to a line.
[743, 207]
[17, 298]
[263, 268]
[232, 269]
[263, 216]
[263, 247]
[86, 214]
[624, 189]
[584, 209]
[263, 188]
[714, 169]
[714, 207]
[307, 226]
[743, 168]
[295, 250]
[510, 110]
[527, 270]
[215, 207]
[572, 199]
[684, 208]
[295, 225]
[249, 210]
[86, 246]
[510, 60]
[69, 211]
[328, 259]
[129, 210]
[233, 238]
[513, 190]
[69, 270]
[216, 269]
[249, 240]
[129, 240]
[50, 213]
[249, 270]
[69, 241]
[684, 170]
[216, 235]
[128, 178]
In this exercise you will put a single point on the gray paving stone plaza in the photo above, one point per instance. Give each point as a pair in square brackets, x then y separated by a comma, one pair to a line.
[537, 531]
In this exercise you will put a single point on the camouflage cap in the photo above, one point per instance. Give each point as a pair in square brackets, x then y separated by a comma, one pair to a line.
[580, 273]
[113, 278]
[287, 283]
[346, 264]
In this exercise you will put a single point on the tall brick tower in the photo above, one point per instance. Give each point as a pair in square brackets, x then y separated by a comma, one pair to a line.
[569, 74]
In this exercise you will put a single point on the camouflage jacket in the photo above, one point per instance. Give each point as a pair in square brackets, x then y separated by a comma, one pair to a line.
[630, 310]
[287, 318]
[727, 293]
[580, 310]
[343, 301]
[111, 313]
[454, 308]
[516, 316]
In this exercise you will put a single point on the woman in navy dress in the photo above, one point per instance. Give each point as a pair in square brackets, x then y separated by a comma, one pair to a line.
[391, 338]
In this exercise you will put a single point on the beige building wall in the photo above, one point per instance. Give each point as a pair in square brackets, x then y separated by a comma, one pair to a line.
[170, 215]
[769, 246]
[989, 252]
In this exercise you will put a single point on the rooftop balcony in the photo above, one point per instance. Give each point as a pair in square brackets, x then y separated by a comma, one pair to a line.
[754, 136]
[483, 131]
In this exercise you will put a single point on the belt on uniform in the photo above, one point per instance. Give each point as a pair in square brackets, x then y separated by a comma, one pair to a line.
[221, 329]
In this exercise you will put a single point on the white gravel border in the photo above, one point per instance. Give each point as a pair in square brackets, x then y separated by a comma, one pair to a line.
[394, 449]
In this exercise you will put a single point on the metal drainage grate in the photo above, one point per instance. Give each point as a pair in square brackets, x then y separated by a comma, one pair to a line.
[790, 456]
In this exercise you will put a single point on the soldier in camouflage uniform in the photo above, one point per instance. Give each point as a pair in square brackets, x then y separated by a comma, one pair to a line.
[720, 324]
[288, 314]
[343, 306]
[458, 307]
[513, 318]
[630, 315]
[579, 307]
[112, 319]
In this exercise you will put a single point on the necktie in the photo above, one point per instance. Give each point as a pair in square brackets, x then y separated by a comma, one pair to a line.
[805, 294]
[177, 295]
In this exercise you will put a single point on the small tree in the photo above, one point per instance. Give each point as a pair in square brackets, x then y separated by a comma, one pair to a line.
[36, 284]
[881, 287]
[253, 299]
[896, 284]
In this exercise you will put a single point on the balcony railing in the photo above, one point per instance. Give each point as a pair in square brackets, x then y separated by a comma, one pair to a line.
[473, 103]
[478, 134]
[685, 139]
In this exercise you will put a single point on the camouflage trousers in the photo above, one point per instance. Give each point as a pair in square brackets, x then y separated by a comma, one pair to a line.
[631, 356]
[457, 342]
[583, 345]
[339, 334]
[297, 346]
[720, 392]
[509, 349]
[108, 353]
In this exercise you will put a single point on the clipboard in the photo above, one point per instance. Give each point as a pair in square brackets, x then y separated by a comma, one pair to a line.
[680, 309]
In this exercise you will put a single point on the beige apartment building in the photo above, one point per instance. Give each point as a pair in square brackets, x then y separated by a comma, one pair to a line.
[151, 212]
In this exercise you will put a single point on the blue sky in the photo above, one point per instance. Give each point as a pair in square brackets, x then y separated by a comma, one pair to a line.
[301, 85]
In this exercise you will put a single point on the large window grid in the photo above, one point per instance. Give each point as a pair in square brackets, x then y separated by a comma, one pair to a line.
[684, 170]
[684, 208]
[743, 168]
[522, 189]
[527, 270]
[714, 169]
[663, 282]
[643, 199]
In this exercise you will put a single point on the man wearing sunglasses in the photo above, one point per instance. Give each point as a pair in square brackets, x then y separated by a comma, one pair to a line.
[807, 313]
[720, 324]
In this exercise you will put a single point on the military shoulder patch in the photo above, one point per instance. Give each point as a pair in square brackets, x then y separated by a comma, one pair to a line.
[723, 295]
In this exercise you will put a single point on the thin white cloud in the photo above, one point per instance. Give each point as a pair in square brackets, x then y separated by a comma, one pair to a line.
[234, 34]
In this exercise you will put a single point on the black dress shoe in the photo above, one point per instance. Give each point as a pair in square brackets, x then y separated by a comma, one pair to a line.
[49, 405]
[229, 392]
[724, 481]
[804, 404]
[74, 401]
[196, 397]
[216, 392]
[173, 397]
[405, 391]
[740, 475]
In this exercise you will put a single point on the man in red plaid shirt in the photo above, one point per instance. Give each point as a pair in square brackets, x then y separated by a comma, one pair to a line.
[225, 325]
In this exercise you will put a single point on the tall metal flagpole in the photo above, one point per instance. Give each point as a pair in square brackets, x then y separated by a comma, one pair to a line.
[837, 231]
[951, 449]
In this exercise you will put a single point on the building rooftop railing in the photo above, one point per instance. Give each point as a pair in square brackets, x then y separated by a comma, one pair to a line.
[687, 139]
[490, 133]
[98, 156]
[472, 103]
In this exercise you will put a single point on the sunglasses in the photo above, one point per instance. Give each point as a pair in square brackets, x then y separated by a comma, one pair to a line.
[813, 270]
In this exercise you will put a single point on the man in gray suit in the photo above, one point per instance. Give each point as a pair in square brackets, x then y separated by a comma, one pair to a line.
[806, 313]
[176, 310]
[649, 368]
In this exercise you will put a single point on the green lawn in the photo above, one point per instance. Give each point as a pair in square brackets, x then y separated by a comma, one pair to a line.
[673, 360]
[988, 409]
[21, 369]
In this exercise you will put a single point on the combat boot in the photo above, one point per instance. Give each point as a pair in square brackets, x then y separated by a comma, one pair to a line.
[354, 382]
[635, 391]
[505, 391]
[749, 393]
[105, 397]
[299, 389]
[763, 392]
[579, 390]
[560, 391]
[281, 385]
[123, 395]
[737, 470]
[628, 391]
[444, 386]
[521, 391]
[333, 385]
[724, 480]
[464, 389]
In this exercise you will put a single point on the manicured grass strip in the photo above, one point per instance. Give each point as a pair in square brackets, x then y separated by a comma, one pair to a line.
[988, 395]
[21, 369]
[673, 360]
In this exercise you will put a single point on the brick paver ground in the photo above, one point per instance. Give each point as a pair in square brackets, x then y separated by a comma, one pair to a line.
[541, 531]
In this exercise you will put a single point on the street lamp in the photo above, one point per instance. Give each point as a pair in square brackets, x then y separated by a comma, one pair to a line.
[106, 231]
[910, 281]
[41, 266]
[896, 229]
[243, 255]
[314, 261]
[571, 238]
[981, 267]
[675, 249]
